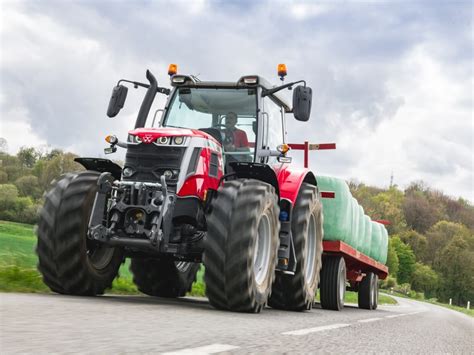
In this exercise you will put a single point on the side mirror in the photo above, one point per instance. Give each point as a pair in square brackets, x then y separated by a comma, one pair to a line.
[302, 97]
[117, 100]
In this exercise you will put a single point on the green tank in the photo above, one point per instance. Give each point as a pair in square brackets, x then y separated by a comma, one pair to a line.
[344, 220]
[365, 248]
[337, 211]
[361, 230]
[376, 242]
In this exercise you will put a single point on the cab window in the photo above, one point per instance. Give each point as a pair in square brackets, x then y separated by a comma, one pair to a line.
[273, 126]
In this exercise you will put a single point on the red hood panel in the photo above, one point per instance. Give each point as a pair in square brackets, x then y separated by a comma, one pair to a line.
[168, 132]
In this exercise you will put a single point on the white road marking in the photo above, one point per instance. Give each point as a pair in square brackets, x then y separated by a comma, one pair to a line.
[316, 329]
[203, 350]
[368, 320]
[417, 312]
[395, 315]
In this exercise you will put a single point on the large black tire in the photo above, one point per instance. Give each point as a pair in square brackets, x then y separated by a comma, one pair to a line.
[163, 277]
[69, 262]
[296, 292]
[368, 296]
[241, 245]
[333, 283]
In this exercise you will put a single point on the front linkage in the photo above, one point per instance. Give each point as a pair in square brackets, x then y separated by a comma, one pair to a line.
[130, 214]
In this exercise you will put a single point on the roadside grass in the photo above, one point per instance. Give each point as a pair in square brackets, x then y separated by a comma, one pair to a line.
[18, 261]
[351, 297]
[469, 312]
[18, 271]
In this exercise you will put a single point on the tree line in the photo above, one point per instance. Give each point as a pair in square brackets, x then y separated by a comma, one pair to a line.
[431, 245]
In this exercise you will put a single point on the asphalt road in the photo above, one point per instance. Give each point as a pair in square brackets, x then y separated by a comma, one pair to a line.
[32, 323]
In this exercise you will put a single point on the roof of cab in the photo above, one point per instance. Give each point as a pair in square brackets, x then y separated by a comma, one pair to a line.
[277, 96]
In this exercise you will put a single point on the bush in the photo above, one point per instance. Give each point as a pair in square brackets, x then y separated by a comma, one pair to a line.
[403, 288]
[28, 186]
[14, 208]
[388, 283]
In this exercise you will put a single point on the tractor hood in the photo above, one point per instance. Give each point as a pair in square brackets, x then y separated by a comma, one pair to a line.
[149, 135]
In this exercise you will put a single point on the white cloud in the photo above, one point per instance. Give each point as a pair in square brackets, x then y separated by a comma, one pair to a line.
[392, 85]
[16, 128]
[305, 10]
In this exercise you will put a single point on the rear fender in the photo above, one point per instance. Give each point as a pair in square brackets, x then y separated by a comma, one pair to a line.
[101, 165]
[290, 181]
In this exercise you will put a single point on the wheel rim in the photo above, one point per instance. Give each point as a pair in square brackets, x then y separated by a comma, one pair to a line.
[261, 256]
[342, 285]
[376, 294]
[372, 293]
[310, 252]
[99, 255]
[182, 266]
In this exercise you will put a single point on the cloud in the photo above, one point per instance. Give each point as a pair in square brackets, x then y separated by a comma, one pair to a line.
[392, 84]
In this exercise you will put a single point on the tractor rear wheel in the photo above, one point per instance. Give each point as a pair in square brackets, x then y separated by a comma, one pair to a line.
[296, 292]
[368, 297]
[69, 262]
[163, 277]
[333, 283]
[241, 245]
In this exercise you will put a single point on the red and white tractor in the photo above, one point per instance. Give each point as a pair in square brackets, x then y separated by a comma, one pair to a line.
[210, 183]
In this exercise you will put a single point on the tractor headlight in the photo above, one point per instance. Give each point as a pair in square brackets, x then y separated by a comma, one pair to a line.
[127, 172]
[162, 140]
[134, 139]
[168, 174]
[178, 140]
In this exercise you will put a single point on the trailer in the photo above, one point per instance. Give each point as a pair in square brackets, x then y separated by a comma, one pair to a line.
[344, 267]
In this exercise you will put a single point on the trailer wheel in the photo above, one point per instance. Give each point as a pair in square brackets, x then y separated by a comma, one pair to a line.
[163, 277]
[241, 245]
[368, 292]
[333, 283]
[296, 292]
[69, 262]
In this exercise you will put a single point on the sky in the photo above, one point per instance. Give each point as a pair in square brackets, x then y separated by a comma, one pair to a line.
[392, 81]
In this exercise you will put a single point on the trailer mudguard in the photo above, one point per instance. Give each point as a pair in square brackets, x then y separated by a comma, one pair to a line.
[101, 165]
[257, 171]
[290, 181]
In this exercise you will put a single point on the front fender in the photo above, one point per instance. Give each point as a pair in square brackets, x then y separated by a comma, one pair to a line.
[101, 165]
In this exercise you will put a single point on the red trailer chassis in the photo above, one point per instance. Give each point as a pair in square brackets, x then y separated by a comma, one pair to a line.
[357, 263]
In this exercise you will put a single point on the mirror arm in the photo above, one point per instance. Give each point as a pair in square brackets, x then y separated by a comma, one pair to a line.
[136, 84]
[267, 92]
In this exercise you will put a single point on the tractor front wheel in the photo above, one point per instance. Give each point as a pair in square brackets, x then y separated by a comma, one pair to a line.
[69, 262]
[241, 246]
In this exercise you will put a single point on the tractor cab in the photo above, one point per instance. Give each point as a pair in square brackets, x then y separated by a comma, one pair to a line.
[246, 117]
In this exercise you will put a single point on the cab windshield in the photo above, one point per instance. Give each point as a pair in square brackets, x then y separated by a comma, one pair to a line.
[228, 114]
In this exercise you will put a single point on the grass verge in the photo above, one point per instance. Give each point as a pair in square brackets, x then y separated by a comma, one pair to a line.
[18, 261]
[469, 312]
[351, 297]
[18, 267]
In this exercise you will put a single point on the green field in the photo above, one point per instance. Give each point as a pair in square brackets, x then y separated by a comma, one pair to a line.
[18, 266]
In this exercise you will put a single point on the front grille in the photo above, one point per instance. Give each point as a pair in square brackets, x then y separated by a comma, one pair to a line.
[149, 161]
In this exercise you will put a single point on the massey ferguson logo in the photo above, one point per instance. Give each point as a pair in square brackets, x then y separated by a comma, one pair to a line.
[147, 138]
